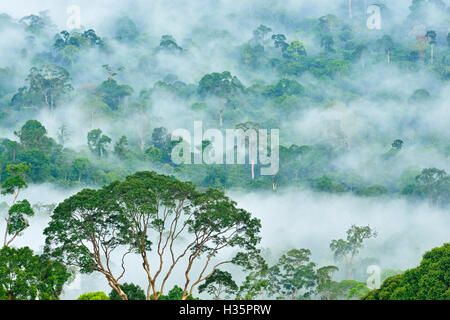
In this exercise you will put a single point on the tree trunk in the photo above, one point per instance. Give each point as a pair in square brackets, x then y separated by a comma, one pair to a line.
[389, 56]
[432, 54]
[221, 118]
[253, 170]
[350, 269]
[350, 12]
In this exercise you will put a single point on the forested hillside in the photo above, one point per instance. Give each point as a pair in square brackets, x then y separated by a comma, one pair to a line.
[360, 97]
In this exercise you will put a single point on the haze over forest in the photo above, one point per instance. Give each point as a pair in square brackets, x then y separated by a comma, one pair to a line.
[362, 112]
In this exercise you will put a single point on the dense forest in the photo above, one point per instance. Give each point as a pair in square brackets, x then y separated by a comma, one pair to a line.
[94, 207]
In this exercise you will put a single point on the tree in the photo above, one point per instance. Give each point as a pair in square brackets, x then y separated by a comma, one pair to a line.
[16, 221]
[328, 23]
[175, 294]
[387, 44]
[219, 283]
[256, 283]
[169, 44]
[164, 209]
[295, 50]
[279, 41]
[46, 86]
[150, 211]
[293, 277]
[419, 96]
[221, 85]
[94, 296]
[346, 250]
[350, 11]
[161, 138]
[34, 135]
[126, 30]
[431, 38]
[110, 91]
[429, 281]
[121, 148]
[36, 24]
[433, 183]
[260, 33]
[63, 135]
[26, 276]
[133, 292]
[284, 87]
[325, 284]
[81, 166]
[397, 144]
[327, 42]
[83, 233]
[97, 142]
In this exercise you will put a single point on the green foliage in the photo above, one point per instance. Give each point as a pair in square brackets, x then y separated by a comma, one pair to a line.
[25, 276]
[98, 142]
[432, 184]
[94, 296]
[429, 281]
[133, 292]
[146, 206]
[176, 293]
[113, 93]
[293, 277]
[46, 87]
[327, 289]
[346, 250]
[219, 283]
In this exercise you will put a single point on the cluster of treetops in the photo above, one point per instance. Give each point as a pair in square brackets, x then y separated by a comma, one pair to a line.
[347, 50]
[97, 164]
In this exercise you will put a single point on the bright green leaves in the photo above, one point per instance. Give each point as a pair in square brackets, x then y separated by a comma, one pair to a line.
[16, 181]
[294, 275]
[17, 220]
[150, 213]
[25, 276]
[429, 281]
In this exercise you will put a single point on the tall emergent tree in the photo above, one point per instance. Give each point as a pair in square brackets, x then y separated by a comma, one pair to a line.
[16, 221]
[46, 86]
[98, 142]
[26, 276]
[293, 277]
[346, 250]
[165, 222]
[429, 281]
[221, 85]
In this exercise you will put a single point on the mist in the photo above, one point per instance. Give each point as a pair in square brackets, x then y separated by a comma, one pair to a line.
[359, 114]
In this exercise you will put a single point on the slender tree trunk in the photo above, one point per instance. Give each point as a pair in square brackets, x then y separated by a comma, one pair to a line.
[350, 268]
[350, 12]
[253, 170]
[432, 54]
[389, 56]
